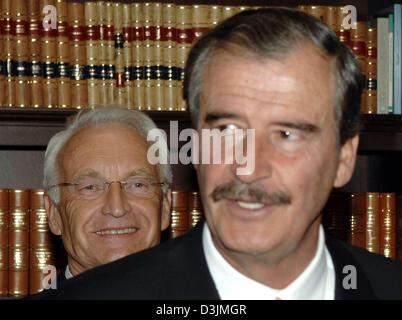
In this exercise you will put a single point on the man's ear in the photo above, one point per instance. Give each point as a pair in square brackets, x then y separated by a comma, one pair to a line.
[347, 161]
[53, 216]
[166, 206]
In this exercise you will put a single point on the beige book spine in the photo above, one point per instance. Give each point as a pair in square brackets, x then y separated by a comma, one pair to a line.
[137, 23]
[78, 82]
[63, 55]
[106, 53]
[92, 52]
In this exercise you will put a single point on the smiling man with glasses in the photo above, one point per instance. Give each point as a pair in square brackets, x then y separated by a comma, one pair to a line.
[103, 197]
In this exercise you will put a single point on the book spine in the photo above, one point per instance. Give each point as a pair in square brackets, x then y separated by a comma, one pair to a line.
[391, 64]
[20, 66]
[334, 215]
[156, 75]
[388, 225]
[330, 17]
[153, 90]
[195, 213]
[34, 47]
[106, 53]
[358, 36]
[8, 54]
[18, 242]
[127, 57]
[397, 58]
[137, 22]
[48, 58]
[371, 71]
[78, 82]
[373, 222]
[179, 213]
[343, 32]
[119, 61]
[183, 46]
[317, 12]
[229, 11]
[92, 52]
[4, 221]
[398, 214]
[2, 58]
[169, 38]
[63, 55]
[200, 16]
[357, 220]
[41, 253]
[382, 65]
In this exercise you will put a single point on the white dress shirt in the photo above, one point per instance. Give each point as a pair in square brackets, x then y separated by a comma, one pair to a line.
[316, 282]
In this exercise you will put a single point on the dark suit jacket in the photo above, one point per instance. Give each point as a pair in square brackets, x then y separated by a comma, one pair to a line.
[177, 269]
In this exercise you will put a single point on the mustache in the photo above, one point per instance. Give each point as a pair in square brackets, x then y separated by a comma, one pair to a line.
[238, 189]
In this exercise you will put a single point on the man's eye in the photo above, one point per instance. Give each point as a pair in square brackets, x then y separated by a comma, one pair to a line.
[90, 187]
[137, 185]
[288, 135]
[229, 126]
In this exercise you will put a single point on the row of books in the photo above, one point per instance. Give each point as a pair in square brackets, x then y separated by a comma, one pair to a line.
[98, 52]
[389, 29]
[370, 220]
[26, 244]
[132, 54]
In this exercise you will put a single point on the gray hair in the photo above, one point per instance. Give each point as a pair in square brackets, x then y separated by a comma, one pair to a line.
[137, 120]
[271, 33]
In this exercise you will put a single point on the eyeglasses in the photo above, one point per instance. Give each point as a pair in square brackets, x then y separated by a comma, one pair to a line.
[91, 188]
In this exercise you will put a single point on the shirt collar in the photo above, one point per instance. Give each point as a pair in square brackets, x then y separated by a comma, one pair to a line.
[67, 273]
[316, 282]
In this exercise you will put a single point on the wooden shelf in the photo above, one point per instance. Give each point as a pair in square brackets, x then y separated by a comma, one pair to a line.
[31, 127]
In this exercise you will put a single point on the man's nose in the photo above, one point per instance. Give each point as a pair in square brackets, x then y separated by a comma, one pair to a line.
[116, 203]
[259, 155]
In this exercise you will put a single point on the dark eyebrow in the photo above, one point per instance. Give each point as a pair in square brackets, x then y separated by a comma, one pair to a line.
[302, 126]
[217, 115]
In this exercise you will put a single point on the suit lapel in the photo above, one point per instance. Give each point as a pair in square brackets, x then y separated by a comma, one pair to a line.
[345, 265]
[186, 273]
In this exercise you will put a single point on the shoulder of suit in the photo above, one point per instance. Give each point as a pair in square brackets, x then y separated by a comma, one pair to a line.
[384, 274]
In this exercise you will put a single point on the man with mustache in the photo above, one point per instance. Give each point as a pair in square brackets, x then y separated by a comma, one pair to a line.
[285, 75]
